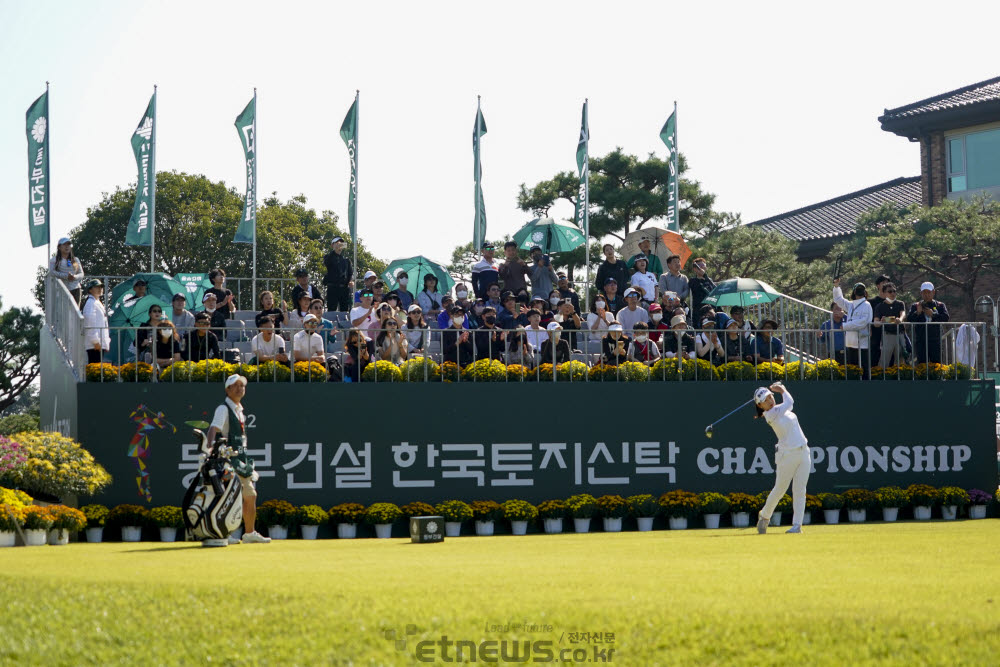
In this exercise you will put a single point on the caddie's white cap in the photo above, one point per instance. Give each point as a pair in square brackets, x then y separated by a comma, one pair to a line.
[370, 274]
[233, 379]
[761, 395]
[928, 285]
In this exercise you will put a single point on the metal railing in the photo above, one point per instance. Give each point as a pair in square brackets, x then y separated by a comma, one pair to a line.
[65, 323]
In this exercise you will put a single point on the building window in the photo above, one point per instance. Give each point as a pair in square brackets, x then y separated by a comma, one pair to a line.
[974, 161]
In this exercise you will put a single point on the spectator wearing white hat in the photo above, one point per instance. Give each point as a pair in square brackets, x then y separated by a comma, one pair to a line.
[307, 345]
[339, 280]
[67, 268]
[555, 348]
[926, 316]
[369, 282]
[429, 298]
[632, 312]
[643, 280]
[415, 328]
[678, 342]
[597, 324]
[642, 349]
[615, 345]
[856, 325]
[96, 335]
[217, 315]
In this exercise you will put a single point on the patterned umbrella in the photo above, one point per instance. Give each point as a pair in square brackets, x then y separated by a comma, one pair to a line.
[549, 235]
[416, 268]
[157, 284]
[742, 292]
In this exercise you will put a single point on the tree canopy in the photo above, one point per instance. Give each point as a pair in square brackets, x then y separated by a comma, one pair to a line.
[19, 345]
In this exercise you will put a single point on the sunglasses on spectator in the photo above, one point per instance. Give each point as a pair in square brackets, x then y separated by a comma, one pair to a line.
[890, 291]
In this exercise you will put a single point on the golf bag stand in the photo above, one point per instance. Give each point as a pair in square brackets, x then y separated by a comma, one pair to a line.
[213, 504]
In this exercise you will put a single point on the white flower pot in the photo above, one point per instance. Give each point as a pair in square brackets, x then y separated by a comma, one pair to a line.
[95, 534]
[552, 525]
[383, 531]
[977, 511]
[857, 516]
[581, 525]
[949, 512]
[309, 532]
[678, 522]
[168, 534]
[277, 532]
[831, 516]
[452, 528]
[518, 527]
[807, 518]
[7, 538]
[645, 523]
[484, 527]
[776, 518]
[35, 537]
[922, 513]
[131, 533]
[741, 519]
[58, 537]
[347, 531]
[612, 525]
[890, 513]
[712, 520]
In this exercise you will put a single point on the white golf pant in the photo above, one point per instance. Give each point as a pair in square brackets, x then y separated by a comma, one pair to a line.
[792, 467]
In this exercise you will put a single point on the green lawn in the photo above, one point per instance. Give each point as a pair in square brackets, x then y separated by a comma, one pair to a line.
[908, 593]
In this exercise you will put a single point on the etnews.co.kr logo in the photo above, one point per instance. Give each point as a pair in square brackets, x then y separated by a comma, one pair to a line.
[38, 130]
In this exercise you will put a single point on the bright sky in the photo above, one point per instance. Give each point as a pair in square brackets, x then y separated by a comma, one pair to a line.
[778, 108]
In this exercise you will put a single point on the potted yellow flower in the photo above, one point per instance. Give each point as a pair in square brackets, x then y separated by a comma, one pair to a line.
[310, 519]
[581, 507]
[37, 521]
[952, 498]
[891, 499]
[130, 519]
[923, 497]
[679, 506]
[382, 515]
[279, 516]
[96, 516]
[519, 513]
[455, 512]
[713, 506]
[552, 512]
[346, 517]
[485, 512]
[65, 520]
[740, 506]
[169, 520]
[858, 502]
[644, 508]
[612, 510]
[832, 504]
[11, 518]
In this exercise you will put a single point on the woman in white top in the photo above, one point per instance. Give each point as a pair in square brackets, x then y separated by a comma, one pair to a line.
[792, 462]
[644, 281]
[67, 268]
[95, 322]
[390, 343]
[416, 329]
[598, 323]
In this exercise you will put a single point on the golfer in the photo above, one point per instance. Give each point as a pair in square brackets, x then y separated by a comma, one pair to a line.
[229, 421]
[791, 459]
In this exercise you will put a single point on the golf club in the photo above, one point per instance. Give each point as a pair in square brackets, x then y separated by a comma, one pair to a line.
[710, 427]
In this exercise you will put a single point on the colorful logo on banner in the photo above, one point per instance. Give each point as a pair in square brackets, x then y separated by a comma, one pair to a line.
[138, 448]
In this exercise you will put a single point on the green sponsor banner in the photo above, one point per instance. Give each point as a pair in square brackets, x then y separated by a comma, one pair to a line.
[140, 225]
[246, 126]
[583, 166]
[479, 224]
[669, 136]
[454, 455]
[349, 133]
[37, 127]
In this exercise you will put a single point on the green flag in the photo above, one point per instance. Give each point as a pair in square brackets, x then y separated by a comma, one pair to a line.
[581, 217]
[669, 136]
[37, 123]
[349, 133]
[479, 225]
[246, 127]
[140, 225]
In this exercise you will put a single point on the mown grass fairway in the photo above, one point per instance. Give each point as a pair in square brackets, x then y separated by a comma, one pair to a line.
[908, 593]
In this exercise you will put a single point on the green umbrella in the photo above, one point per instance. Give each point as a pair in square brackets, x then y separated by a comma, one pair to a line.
[549, 235]
[416, 268]
[195, 284]
[742, 292]
[132, 315]
[157, 284]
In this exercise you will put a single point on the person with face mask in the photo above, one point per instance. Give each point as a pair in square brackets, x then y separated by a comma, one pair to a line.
[642, 349]
[615, 346]
[489, 338]
[598, 323]
[406, 297]
[456, 340]
[656, 324]
[167, 346]
[856, 325]
[889, 312]
[339, 278]
[555, 348]
[569, 319]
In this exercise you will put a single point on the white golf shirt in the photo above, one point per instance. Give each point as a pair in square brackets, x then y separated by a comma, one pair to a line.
[859, 316]
[786, 424]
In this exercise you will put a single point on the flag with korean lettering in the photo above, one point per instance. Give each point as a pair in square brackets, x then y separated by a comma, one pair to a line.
[582, 164]
[37, 122]
[140, 231]
[669, 136]
[246, 126]
[479, 224]
[349, 133]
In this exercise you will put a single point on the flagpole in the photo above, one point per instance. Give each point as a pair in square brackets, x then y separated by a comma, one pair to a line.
[357, 175]
[256, 186]
[152, 216]
[48, 131]
[586, 207]
[677, 177]
[479, 148]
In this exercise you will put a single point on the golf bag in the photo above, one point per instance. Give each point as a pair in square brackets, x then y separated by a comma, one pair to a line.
[213, 504]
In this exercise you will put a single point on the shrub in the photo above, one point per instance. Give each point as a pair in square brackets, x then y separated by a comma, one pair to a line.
[643, 505]
[273, 371]
[831, 501]
[892, 496]
[603, 373]
[544, 373]
[713, 503]
[518, 373]
[416, 508]
[346, 513]
[57, 466]
[923, 495]
[382, 371]
[666, 369]
[449, 371]
[953, 495]
[277, 513]
[519, 510]
[485, 370]
[311, 371]
[581, 506]
[794, 368]
[829, 369]
[741, 502]
[15, 498]
[96, 515]
[485, 510]
[420, 369]
[738, 370]
[167, 516]
[979, 497]
[454, 510]
[813, 503]
[552, 509]
[11, 518]
[102, 372]
[312, 515]
[680, 504]
[572, 371]
[136, 372]
[12, 424]
[250, 371]
[612, 507]
[213, 370]
[128, 515]
[633, 371]
[179, 371]
[37, 518]
[860, 499]
[382, 513]
[770, 371]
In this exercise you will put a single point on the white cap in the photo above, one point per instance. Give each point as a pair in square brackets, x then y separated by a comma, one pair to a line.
[616, 327]
[927, 285]
[761, 395]
[309, 318]
[631, 291]
[553, 325]
[370, 274]
[413, 307]
[233, 379]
